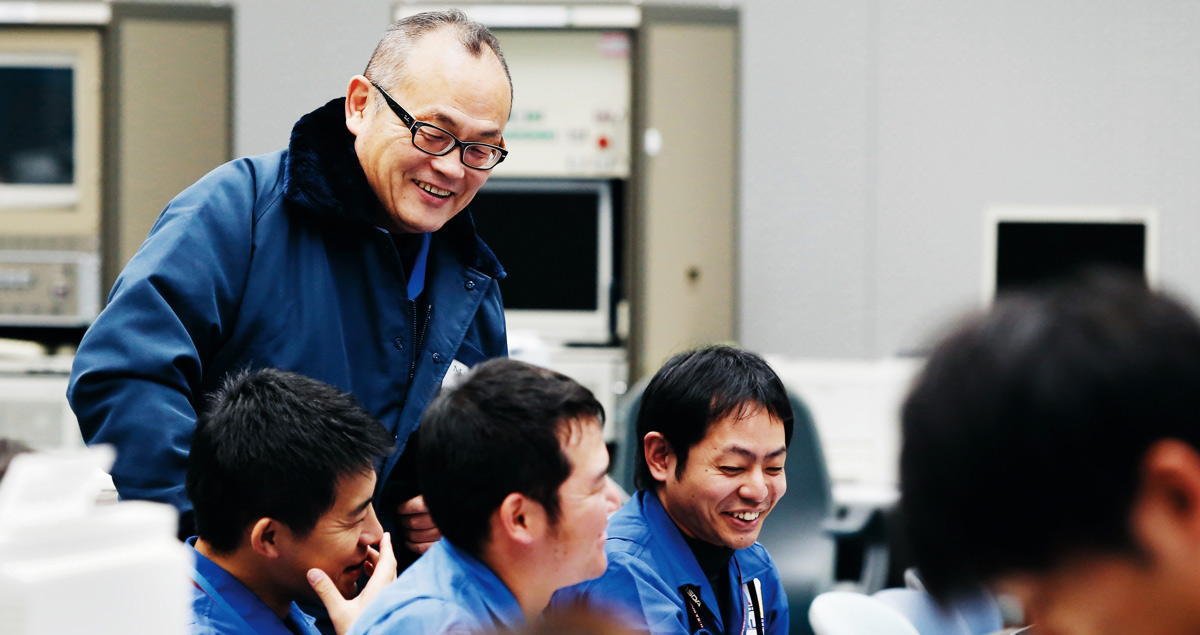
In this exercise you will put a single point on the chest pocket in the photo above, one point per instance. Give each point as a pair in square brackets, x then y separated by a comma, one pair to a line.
[464, 360]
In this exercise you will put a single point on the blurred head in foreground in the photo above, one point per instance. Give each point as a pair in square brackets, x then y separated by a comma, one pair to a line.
[1051, 452]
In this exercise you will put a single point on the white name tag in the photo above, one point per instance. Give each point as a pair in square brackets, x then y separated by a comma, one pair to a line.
[455, 374]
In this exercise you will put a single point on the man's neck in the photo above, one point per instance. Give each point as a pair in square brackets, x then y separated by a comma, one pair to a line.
[710, 557]
[531, 587]
[239, 565]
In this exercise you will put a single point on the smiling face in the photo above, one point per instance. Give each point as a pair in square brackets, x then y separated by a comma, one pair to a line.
[449, 87]
[576, 540]
[338, 543]
[732, 479]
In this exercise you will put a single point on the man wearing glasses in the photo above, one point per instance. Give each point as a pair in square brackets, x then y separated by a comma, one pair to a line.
[344, 258]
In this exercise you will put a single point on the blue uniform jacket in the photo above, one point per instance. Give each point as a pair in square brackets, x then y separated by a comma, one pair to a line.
[223, 606]
[648, 564]
[276, 261]
[445, 592]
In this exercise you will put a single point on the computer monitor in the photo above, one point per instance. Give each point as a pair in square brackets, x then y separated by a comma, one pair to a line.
[1026, 245]
[554, 237]
[49, 176]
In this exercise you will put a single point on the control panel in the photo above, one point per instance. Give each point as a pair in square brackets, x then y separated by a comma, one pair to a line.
[59, 288]
[571, 107]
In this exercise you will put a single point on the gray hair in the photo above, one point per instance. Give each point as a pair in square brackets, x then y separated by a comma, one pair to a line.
[386, 66]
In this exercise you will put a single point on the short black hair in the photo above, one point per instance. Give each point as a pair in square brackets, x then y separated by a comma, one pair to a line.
[695, 389]
[273, 444]
[1024, 435]
[497, 433]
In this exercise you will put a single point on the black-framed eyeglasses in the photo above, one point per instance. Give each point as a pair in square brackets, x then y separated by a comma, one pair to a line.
[431, 139]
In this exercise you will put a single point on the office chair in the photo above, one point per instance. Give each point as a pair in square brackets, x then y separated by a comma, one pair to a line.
[848, 613]
[970, 613]
[808, 536]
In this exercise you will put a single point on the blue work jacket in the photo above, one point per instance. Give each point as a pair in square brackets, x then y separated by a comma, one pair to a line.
[276, 261]
[446, 591]
[651, 567]
[221, 605]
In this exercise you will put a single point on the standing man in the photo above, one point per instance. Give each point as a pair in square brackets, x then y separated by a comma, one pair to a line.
[715, 425]
[513, 464]
[1052, 452]
[345, 258]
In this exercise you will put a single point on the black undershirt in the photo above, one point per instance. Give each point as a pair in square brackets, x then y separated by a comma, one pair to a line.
[714, 562]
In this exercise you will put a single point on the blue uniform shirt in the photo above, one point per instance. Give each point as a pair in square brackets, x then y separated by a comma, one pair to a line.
[446, 591]
[651, 571]
[221, 605]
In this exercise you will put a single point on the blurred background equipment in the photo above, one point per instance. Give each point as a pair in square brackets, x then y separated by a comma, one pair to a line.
[134, 104]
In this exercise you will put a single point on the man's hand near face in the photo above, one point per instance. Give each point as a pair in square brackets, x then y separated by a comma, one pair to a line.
[381, 566]
[416, 525]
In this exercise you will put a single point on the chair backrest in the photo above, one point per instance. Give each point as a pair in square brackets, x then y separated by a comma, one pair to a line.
[844, 613]
[979, 609]
[793, 533]
[923, 612]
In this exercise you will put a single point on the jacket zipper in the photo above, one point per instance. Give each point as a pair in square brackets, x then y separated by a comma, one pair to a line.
[419, 341]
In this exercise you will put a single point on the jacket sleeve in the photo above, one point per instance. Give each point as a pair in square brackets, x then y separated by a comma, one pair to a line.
[139, 368]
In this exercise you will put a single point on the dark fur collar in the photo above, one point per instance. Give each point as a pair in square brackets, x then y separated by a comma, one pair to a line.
[325, 182]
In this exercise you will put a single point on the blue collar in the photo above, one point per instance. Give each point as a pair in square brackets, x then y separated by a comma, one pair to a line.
[239, 605]
[663, 529]
[496, 597]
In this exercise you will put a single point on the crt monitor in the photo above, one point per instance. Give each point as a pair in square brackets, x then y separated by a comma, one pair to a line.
[50, 133]
[37, 144]
[1032, 245]
[554, 238]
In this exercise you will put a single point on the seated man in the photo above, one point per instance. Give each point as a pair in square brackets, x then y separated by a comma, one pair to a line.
[281, 476]
[1052, 451]
[682, 558]
[513, 469]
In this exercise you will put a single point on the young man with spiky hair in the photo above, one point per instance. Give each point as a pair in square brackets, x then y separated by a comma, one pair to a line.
[513, 469]
[715, 425]
[1052, 451]
[281, 474]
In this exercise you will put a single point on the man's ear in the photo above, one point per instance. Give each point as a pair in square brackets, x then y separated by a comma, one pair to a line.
[1166, 512]
[358, 99]
[520, 519]
[659, 457]
[265, 537]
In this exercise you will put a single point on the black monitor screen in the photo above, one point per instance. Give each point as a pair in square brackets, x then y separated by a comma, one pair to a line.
[1033, 252]
[547, 242]
[37, 125]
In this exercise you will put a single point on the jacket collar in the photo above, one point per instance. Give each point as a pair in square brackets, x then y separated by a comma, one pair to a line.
[325, 181]
[687, 569]
[242, 601]
[489, 590]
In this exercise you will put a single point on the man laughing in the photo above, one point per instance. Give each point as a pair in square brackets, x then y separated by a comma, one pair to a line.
[682, 558]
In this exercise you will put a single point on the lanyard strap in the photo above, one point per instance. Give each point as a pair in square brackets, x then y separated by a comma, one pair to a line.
[754, 593]
[752, 609]
[222, 603]
[751, 605]
[691, 597]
